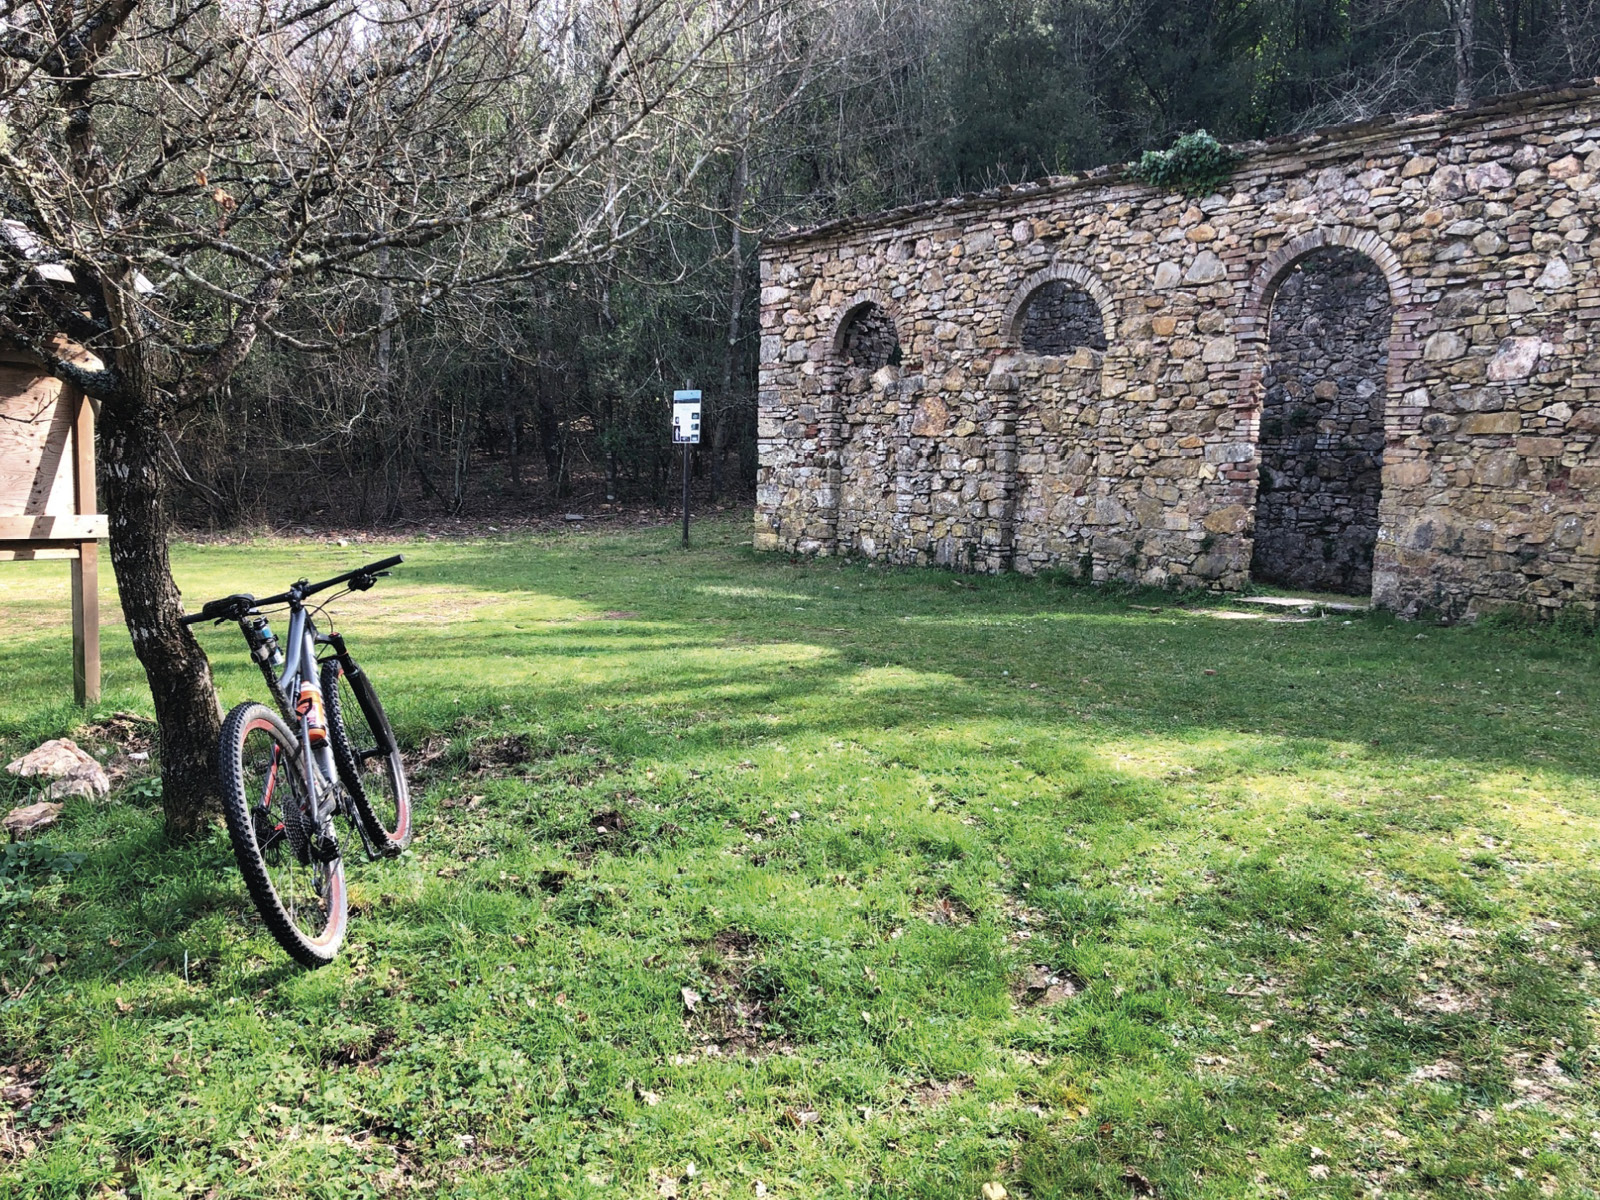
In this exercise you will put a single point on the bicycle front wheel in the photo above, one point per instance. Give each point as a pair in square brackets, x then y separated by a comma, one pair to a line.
[291, 868]
[367, 755]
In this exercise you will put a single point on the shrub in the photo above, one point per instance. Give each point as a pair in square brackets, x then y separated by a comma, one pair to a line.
[1197, 165]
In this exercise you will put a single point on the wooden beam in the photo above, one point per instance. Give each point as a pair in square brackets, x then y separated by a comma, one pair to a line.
[86, 567]
[77, 528]
[29, 551]
[86, 624]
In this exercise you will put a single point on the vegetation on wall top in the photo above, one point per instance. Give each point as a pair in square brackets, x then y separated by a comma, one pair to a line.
[1197, 165]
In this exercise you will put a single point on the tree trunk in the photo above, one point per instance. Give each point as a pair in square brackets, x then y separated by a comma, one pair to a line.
[1565, 18]
[174, 664]
[1461, 15]
[725, 404]
[1508, 43]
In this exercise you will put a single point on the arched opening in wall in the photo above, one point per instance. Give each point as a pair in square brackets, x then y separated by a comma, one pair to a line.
[1060, 318]
[1322, 435]
[868, 340]
[867, 343]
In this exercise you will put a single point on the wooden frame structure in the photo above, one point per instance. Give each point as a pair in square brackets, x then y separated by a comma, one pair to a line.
[47, 493]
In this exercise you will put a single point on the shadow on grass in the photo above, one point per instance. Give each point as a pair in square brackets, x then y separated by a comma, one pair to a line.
[1015, 649]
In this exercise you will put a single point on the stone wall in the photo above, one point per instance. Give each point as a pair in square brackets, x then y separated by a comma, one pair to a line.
[869, 339]
[1059, 318]
[1141, 461]
[1321, 440]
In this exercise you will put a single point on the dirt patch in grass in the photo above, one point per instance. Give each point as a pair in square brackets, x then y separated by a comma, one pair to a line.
[934, 1092]
[1448, 1000]
[122, 735]
[1537, 1078]
[609, 831]
[734, 1003]
[18, 1083]
[128, 732]
[947, 909]
[1041, 985]
[426, 758]
[363, 1051]
[495, 754]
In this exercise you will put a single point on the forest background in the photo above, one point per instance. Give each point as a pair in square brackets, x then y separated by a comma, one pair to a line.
[550, 393]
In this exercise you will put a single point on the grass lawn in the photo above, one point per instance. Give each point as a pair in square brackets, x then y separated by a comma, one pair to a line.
[964, 879]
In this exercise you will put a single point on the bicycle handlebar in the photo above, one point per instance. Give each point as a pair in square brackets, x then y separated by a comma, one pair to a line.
[238, 605]
[368, 573]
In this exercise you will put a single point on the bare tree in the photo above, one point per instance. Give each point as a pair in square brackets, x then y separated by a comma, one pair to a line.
[1461, 14]
[316, 172]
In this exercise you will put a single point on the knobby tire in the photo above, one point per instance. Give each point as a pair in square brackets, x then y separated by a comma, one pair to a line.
[288, 855]
[367, 756]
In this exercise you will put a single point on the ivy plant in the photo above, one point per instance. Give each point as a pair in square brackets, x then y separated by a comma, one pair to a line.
[1197, 165]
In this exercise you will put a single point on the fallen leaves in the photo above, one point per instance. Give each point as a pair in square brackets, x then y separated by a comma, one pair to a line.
[691, 998]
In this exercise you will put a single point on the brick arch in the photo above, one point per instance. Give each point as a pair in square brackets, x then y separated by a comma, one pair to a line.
[1275, 268]
[852, 306]
[1070, 273]
[1251, 324]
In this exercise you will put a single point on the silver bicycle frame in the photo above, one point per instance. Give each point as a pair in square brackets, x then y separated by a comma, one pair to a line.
[300, 665]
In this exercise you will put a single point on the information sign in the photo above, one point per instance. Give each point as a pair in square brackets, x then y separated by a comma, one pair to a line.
[686, 417]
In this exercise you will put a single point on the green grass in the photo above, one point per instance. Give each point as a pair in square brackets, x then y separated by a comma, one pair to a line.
[1323, 895]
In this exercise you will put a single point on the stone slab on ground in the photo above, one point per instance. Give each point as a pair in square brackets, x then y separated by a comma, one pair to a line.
[1305, 603]
[21, 822]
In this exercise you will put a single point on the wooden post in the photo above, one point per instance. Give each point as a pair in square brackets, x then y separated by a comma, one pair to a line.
[86, 566]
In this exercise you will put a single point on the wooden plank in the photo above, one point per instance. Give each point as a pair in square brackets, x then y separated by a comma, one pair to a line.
[29, 551]
[86, 624]
[82, 450]
[35, 428]
[86, 567]
[52, 528]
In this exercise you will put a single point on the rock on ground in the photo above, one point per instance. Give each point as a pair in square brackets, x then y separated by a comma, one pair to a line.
[20, 822]
[73, 770]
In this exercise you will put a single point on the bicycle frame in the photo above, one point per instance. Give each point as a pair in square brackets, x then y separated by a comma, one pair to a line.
[300, 665]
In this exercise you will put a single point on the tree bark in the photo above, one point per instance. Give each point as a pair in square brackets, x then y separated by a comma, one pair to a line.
[1461, 16]
[1508, 43]
[177, 669]
[730, 358]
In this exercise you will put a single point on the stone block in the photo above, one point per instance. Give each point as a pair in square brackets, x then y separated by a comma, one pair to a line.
[1515, 359]
[1413, 473]
[1232, 519]
[1444, 346]
[1206, 268]
[1499, 469]
[1487, 423]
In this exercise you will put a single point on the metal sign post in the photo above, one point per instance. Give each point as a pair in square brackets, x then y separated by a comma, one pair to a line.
[686, 431]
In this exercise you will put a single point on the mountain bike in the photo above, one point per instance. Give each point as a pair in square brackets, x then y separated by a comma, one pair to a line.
[328, 749]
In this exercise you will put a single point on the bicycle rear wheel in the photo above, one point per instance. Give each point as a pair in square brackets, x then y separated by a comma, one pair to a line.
[367, 755]
[291, 868]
